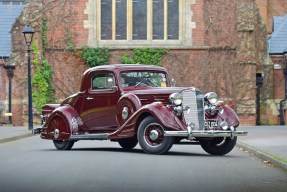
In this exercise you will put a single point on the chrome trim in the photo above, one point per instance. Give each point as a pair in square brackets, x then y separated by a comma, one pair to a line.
[56, 133]
[125, 113]
[90, 137]
[193, 108]
[197, 133]
[47, 110]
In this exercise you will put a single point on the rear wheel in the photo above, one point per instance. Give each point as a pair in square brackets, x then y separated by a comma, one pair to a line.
[151, 137]
[128, 143]
[63, 145]
[219, 145]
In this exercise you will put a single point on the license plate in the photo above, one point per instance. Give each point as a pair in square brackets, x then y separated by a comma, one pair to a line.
[210, 123]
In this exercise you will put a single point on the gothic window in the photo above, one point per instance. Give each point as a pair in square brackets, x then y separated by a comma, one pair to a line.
[139, 19]
[106, 19]
[121, 19]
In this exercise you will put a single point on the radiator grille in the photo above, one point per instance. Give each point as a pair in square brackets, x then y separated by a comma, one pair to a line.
[193, 106]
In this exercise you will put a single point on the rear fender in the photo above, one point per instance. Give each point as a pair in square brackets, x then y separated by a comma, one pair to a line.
[61, 124]
[162, 114]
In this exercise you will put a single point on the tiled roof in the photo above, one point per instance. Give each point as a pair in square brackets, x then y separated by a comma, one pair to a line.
[9, 12]
[278, 40]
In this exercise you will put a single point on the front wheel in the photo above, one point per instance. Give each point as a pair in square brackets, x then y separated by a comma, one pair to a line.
[151, 137]
[219, 146]
[63, 145]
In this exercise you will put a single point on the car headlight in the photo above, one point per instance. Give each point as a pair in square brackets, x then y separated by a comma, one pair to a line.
[176, 98]
[224, 125]
[211, 97]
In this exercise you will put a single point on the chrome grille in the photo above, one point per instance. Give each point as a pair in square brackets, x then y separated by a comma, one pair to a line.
[193, 108]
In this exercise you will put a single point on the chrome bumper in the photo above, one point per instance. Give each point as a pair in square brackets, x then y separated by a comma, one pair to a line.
[198, 133]
[37, 130]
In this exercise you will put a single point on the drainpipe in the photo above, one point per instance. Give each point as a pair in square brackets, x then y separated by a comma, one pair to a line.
[259, 81]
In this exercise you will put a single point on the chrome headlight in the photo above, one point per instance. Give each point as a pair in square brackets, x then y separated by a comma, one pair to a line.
[176, 98]
[224, 125]
[211, 97]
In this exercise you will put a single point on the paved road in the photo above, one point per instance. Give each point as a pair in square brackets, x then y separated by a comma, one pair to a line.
[32, 164]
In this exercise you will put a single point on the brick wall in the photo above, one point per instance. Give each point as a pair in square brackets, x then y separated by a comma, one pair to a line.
[246, 119]
[198, 18]
[278, 78]
[270, 8]
[263, 8]
[80, 34]
[67, 25]
[68, 69]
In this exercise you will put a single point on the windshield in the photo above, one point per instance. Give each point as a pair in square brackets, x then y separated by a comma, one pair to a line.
[144, 78]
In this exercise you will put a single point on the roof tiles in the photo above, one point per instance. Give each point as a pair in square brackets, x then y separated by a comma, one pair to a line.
[278, 40]
[9, 12]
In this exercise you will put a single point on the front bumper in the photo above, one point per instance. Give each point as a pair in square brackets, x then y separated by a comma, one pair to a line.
[201, 133]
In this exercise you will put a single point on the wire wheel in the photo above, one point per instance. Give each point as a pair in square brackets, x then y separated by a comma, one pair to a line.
[151, 137]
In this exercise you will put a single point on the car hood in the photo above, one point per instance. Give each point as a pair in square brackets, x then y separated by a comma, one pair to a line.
[148, 95]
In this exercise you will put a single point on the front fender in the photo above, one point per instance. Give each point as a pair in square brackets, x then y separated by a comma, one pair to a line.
[229, 116]
[162, 114]
[65, 119]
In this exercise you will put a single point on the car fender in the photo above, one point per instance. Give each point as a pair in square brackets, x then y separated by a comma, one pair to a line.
[61, 124]
[229, 116]
[162, 114]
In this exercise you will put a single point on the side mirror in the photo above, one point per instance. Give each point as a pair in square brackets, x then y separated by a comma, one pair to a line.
[173, 82]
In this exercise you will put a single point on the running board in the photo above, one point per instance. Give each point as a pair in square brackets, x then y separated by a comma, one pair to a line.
[90, 137]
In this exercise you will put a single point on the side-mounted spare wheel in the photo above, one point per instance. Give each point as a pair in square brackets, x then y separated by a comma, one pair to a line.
[63, 145]
[151, 137]
[219, 145]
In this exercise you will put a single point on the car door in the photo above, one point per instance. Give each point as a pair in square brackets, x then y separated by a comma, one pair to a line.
[100, 101]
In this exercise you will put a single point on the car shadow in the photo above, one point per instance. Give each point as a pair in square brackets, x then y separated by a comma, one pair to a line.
[140, 151]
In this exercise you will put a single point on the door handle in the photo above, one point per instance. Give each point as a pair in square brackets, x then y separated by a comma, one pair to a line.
[89, 98]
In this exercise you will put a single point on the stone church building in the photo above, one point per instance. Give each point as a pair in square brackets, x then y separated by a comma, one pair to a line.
[218, 45]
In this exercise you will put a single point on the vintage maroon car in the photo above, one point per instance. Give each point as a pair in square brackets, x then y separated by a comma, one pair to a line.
[136, 103]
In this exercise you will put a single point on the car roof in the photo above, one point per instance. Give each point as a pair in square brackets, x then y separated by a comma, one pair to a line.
[126, 67]
[117, 68]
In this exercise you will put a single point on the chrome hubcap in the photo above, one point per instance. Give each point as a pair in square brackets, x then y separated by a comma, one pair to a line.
[56, 133]
[153, 135]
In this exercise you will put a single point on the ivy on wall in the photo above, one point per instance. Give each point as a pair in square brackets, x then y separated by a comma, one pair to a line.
[43, 92]
[70, 40]
[149, 56]
[44, 33]
[95, 56]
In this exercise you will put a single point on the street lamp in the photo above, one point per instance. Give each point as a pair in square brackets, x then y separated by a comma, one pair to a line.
[10, 74]
[28, 35]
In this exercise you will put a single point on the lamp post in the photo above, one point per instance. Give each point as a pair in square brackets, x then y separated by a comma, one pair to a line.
[28, 35]
[10, 74]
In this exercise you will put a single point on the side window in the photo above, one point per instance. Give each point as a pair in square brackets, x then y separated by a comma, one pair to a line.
[103, 81]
